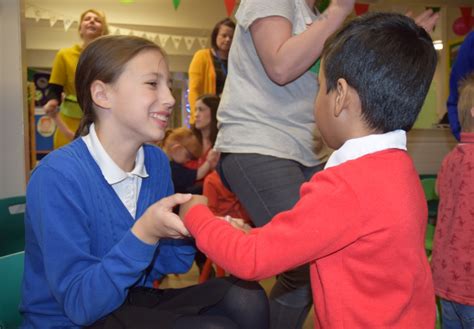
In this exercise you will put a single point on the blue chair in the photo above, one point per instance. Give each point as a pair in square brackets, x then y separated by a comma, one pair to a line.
[12, 227]
[11, 274]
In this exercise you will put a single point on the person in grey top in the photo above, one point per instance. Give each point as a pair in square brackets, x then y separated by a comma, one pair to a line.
[266, 123]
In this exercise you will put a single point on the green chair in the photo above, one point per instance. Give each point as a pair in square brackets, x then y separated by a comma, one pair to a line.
[12, 227]
[11, 273]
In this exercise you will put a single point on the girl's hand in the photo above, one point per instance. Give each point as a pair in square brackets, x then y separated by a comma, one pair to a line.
[51, 108]
[159, 221]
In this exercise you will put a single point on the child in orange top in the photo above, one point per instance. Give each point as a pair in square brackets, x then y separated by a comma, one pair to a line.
[360, 223]
[181, 145]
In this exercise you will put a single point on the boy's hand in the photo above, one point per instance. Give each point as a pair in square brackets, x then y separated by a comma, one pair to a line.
[159, 221]
[195, 200]
[426, 19]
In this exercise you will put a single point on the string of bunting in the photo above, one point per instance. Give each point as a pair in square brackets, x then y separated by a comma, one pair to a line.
[38, 13]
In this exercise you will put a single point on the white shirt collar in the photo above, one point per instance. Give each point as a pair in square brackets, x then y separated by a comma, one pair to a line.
[112, 172]
[358, 147]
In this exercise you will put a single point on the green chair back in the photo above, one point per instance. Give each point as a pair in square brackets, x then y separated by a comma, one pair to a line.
[11, 274]
[12, 227]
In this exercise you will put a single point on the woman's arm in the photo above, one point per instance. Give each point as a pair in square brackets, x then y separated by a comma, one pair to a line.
[285, 57]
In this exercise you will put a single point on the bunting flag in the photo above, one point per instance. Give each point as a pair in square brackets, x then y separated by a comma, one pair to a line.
[189, 41]
[466, 13]
[203, 42]
[163, 39]
[67, 23]
[229, 5]
[176, 4]
[52, 20]
[176, 40]
[37, 13]
[361, 8]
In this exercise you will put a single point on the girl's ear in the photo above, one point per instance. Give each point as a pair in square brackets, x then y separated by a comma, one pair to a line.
[100, 94]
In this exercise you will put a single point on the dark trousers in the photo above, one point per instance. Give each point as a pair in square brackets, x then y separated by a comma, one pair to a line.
[266, 186]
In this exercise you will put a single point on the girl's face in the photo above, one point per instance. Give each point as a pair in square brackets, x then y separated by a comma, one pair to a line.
[203, 115]
[224, 38]
[91, 26]
[140, 100]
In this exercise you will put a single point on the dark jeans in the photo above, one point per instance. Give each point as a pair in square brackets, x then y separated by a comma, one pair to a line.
[266, 186]
[457, 316]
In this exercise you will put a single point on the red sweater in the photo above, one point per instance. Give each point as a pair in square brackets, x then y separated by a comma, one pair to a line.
[361, 225]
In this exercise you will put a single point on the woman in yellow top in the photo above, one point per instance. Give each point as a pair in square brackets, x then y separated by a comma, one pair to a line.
[208, 68]
[92, 25]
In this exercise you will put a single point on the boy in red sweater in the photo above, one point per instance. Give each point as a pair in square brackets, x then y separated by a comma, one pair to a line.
[360, 223]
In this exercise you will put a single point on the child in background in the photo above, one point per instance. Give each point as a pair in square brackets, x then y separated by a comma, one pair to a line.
[181, 145]
[453, 246]
[361, 222]
[97, 218]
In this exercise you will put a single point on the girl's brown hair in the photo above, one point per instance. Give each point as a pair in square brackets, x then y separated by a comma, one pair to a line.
[101, 15]
[104, 59]
[212, 101]
[466, 103]
[215, 31]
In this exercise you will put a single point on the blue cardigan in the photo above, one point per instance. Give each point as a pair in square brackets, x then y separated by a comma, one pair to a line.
[463, 65]
[81, 256]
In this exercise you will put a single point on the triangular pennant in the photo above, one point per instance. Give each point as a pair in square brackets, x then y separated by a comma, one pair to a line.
[176, 4]
[203, 42]
[29, 12]
[136, 33]
[163, 39]
[52, 20]
[189, 41]
[38, 14]
[361, 8]
[67, 23]
[151, 36]
[176, 40]
[229, 5]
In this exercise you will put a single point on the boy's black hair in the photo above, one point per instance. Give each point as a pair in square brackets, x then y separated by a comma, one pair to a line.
[389, 60]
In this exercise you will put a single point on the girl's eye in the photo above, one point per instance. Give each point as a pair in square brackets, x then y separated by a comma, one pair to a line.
[152, 83]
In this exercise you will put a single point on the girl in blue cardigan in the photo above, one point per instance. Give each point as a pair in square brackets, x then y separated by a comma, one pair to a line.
[98, 224]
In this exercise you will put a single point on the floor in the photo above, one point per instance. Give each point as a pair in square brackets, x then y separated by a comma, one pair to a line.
[190, 278]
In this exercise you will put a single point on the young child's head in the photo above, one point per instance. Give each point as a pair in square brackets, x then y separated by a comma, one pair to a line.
[181, 145]
[466, 104]
[123, 86]
[375, 74]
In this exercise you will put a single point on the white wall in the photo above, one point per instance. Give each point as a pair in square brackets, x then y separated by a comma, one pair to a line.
[12, 100]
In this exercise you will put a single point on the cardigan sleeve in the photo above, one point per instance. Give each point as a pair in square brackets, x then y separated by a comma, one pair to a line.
[85, 286]
[201, 78]
[318, 225]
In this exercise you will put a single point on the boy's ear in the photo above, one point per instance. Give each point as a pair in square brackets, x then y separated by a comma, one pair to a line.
[342, 91]
[100, 94]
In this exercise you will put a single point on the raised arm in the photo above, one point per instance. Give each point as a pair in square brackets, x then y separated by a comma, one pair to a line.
[285, 57]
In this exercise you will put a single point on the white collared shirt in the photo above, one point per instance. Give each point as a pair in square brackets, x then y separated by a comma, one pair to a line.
[125, 184]
[358, 147]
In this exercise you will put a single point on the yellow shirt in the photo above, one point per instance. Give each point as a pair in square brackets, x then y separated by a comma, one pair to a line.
[63, 74]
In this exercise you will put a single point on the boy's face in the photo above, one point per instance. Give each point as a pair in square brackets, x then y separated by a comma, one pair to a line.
[324, 112]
